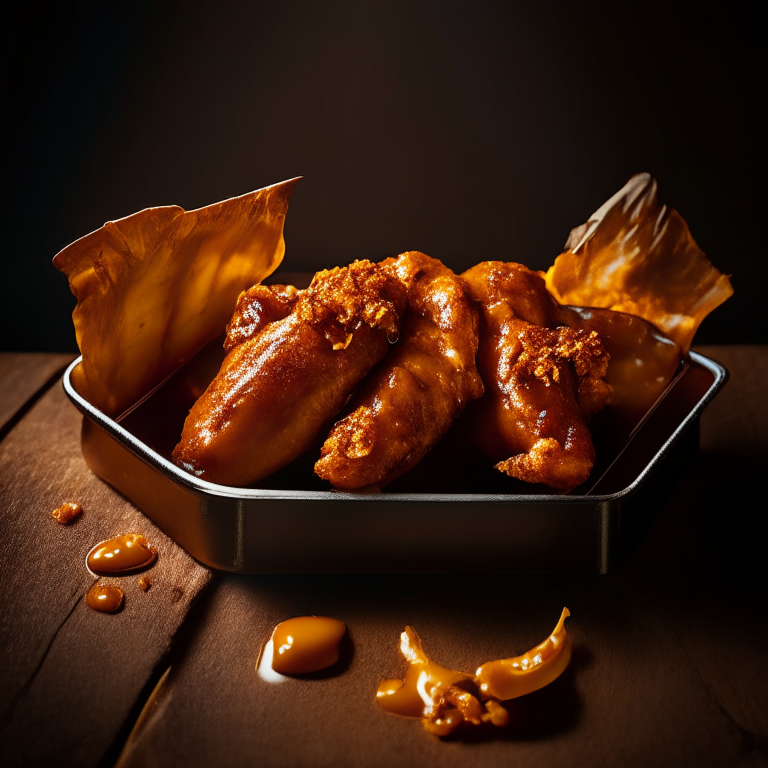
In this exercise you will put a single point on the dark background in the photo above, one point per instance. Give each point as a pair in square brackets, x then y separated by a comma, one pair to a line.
[470, 131]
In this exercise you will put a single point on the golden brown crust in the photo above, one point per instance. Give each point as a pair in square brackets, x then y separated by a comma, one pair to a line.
[276, 390]
[256, 308]
[342, 299]
[423, 385]
[544, 351]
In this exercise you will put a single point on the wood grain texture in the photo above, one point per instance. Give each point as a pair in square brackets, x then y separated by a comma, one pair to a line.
[22, 376]
[668, 667]
[71, 676]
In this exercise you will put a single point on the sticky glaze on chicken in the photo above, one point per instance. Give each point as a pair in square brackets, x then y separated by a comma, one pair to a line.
[426, 381]
[543, 380]
[276, 390]
[256, 308]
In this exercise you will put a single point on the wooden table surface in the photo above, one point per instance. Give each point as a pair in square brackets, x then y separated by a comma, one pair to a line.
[669, 664]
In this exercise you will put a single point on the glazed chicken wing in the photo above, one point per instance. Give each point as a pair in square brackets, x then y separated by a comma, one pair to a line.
[256, 308]
[543, 382]
[277, 389]
[411, 401]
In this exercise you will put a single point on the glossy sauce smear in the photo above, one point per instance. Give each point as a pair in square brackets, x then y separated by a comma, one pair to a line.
[121, 554]
[444, 698]
[302, 645]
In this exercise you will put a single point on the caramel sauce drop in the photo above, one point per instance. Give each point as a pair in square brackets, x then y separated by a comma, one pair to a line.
[67, 512]
[121, 554]
[144, 583]
[306, 644]
[104, 598]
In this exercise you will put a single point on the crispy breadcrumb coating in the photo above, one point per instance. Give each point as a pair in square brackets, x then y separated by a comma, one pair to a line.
[425, 382]
[276, 390]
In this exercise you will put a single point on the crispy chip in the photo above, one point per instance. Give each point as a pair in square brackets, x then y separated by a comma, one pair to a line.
[154, 288]
[636, 256]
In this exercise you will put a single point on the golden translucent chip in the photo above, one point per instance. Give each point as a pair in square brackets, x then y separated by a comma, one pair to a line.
[636, 256]
[155, 287]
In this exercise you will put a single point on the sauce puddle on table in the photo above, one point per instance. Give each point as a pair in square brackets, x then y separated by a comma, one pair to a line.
[121, 555]
[300, 646]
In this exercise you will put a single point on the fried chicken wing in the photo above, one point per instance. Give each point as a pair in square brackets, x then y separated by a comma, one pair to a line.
[256, 308]
[543, 381]
[276, 390]
[427, 380]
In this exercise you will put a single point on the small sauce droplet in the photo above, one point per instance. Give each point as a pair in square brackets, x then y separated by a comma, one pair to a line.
[104, 598]
[306, 644]
[121, 554]
[144, 583]
[67, 512]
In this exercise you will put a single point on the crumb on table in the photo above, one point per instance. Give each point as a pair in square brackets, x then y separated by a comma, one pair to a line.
[67, 512]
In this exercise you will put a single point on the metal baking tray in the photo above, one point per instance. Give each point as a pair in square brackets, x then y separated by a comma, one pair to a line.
[451, 513]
